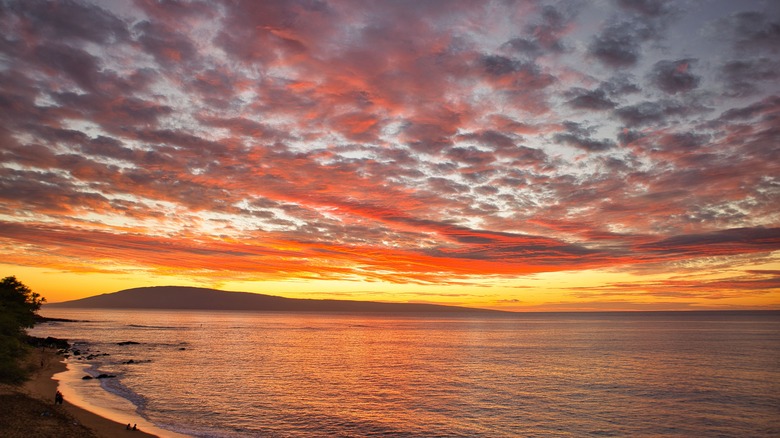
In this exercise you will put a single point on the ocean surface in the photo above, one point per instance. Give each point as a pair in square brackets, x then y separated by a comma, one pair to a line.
[234, 374]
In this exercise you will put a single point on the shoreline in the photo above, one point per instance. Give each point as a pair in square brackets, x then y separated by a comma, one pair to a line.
[43, 384]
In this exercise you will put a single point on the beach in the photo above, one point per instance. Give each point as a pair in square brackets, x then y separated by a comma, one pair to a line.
[30, 410]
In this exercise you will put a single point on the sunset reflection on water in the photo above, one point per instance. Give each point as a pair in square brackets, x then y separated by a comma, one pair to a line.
[279, 374]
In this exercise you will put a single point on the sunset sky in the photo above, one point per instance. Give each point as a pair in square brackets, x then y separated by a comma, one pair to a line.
[521, 155]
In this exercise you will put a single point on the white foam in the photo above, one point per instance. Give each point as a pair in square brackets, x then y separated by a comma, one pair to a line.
[89, 395]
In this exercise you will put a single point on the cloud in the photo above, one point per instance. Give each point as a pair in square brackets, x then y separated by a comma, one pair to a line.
[674, 77]
[619, 44]
[767, 108]
[546, 35]
[718, 243]
[650, 8]
[751, 31]
[67, 20]
[656, 112]
[590, 99]
[423, 142]
[742, 78]
[167, 46]
[579, 137]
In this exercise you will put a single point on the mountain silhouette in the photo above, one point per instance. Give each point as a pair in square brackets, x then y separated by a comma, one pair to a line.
[195, 298]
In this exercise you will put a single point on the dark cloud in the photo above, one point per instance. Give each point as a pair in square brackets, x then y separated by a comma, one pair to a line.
[525, 76]
[589, 99]
[494, 139]
[628, 136]
[603, 97]
[497, 65]
[686, 141]
[549, 32]
[168, 46]
[113, 112]
[769, 107]
[619, 85]
[428, 137]
[674, 76]
[579, 137]
[751, 31]
[271, 25]
[619, 44]
[47, 192]
[743, 78]
[470, 156]
[524, 46]
[649, 8]
[656, 112]
[719, 242]
[108, 147]
[77, 64]
[67, 20]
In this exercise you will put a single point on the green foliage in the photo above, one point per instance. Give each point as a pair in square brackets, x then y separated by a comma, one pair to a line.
[18, 306]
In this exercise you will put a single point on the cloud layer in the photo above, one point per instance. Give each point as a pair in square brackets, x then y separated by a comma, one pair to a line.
[405, 142]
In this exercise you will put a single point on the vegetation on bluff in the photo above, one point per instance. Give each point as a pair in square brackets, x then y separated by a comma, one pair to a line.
[18, 307]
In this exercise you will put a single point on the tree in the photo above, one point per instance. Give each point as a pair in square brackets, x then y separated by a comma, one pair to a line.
[18, 306]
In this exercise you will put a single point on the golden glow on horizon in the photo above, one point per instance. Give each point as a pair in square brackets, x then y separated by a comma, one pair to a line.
[557, 291]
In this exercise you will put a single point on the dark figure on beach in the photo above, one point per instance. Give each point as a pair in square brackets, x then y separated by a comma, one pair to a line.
[128, 426]
[135, 428]
[58, 398]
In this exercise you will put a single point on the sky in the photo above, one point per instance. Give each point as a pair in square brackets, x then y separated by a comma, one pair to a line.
[516, 155]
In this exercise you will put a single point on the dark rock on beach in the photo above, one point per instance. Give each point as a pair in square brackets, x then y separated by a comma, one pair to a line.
[87, 377]
[49, 342]
[128, 343]
[106, 376]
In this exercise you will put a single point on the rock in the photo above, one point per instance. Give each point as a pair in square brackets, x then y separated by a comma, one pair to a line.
[50, 342]
[87, 377]
[106, 376]
[128, 343]
[182, 349]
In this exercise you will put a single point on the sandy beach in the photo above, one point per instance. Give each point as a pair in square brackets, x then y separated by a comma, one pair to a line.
[29, 410]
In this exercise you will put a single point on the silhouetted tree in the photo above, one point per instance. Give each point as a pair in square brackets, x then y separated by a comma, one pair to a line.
[18, 306]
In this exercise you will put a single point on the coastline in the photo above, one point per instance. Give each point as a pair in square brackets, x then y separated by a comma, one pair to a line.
[43, 384]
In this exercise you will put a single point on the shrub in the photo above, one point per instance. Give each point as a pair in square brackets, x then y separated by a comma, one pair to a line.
[18, 306]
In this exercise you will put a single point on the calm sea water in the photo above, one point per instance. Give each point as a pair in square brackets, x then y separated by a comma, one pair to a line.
[230, 374]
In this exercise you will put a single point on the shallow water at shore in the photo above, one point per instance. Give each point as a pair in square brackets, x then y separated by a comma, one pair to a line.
[90, 395]
[231, 374]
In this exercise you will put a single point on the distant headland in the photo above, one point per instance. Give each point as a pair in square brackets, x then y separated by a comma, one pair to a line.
[195, 298]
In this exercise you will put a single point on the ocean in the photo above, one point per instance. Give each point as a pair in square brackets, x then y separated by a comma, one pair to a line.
[235, 374]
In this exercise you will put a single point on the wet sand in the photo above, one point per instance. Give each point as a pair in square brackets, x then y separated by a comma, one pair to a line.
[36, 415]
